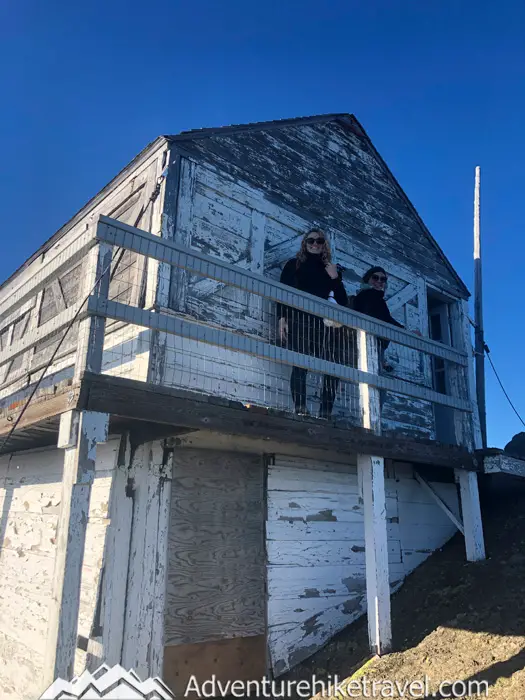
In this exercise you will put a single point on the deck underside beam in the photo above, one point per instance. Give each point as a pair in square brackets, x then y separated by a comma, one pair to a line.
[136, 400]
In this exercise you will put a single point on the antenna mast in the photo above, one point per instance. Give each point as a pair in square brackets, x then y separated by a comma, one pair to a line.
[478, 315]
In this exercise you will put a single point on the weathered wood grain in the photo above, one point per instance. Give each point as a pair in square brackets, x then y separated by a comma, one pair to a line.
[223, 204]
[297, 455]
[289, 163]
[314, 560]
[284, 530]
[369, 400]
[216, 556]
[183, 231]
[293, 644]
[79, 469]
[148, 474]
[309, 554]
[289, 582]
[286, 612]
[116, 560]
[55, 280]
[471, 511]
[125, 397]
[504, 463]
[308, 506]
[306, 565]
[29, 495]
[371, 472]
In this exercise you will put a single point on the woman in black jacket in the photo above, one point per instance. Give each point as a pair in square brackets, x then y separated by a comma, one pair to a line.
[312, 271]
[370, 300]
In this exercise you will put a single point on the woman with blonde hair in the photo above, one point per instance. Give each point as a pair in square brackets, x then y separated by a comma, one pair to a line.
[312, 271]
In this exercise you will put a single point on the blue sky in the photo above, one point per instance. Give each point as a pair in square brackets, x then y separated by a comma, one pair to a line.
[438, 85]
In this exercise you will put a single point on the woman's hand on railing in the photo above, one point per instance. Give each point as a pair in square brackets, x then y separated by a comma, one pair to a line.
[283, 330]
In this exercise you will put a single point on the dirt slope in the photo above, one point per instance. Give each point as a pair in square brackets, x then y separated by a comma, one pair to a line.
[452, 620]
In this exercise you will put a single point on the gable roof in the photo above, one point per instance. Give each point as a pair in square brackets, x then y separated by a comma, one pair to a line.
[347, 121]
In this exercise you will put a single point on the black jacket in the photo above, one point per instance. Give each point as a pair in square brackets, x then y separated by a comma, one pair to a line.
[311, 277]
[372, 303]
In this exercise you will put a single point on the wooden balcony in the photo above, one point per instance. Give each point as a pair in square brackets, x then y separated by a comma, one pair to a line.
[216, 361]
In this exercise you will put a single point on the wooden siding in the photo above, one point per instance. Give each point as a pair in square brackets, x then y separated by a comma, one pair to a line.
[236, 222]
[30, 501]
[333, 175]
[127, 347]
[89, 620]
[30, 494]
[216, 548]
[232, 221]
[316, 550]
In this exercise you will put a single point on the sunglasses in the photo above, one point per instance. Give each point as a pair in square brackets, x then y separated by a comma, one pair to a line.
[379, 278]
[313, 241]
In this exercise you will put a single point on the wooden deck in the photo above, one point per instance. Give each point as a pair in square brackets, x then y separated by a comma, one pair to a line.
[158, 411]
[188, 373]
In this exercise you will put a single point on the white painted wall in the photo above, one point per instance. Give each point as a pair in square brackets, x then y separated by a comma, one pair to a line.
[30, 497]
[315, 547]
[30, 492]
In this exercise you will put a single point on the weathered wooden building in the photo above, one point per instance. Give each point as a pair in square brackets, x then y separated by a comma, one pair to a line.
[161, 505]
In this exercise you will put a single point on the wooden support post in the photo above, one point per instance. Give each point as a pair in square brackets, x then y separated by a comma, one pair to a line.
[471, 511]
[368, 361]
[372, 478]
[79, 434]
[116, 561]
[143, 648]
[91, 330]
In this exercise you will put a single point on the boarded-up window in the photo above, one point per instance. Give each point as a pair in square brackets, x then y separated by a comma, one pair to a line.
[49, 307]
[45, 349]
[19, 328]
[124, 285]
[60, 294]
[4, 336]
[121, 286]
[70, 284]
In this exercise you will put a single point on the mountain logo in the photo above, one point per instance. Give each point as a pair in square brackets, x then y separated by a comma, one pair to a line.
[108, 683]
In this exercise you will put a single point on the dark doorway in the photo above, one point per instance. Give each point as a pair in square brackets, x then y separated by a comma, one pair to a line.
[440, 329]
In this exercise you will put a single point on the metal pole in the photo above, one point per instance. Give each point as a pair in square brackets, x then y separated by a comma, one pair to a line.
[478, 316]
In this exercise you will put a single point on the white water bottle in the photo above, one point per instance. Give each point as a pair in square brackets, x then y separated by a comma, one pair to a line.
[328, 321]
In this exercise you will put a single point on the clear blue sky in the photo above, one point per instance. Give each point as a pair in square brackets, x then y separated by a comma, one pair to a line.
[439, 85]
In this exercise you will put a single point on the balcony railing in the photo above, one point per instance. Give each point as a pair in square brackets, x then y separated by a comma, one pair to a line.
[223, 338]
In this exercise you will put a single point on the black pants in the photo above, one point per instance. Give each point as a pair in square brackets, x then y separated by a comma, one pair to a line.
[309, 336]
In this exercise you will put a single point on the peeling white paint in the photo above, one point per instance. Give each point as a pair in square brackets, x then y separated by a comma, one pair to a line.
[318, 564]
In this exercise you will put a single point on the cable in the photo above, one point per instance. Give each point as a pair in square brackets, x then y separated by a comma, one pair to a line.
[119, 253]
[487, 351]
